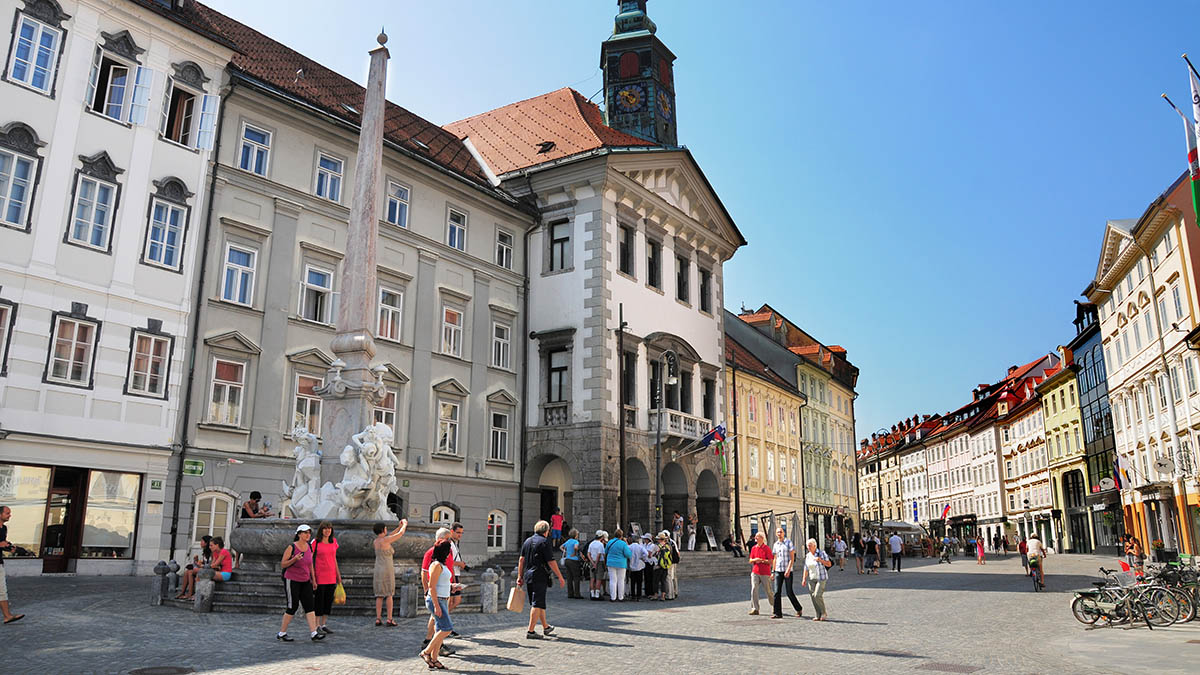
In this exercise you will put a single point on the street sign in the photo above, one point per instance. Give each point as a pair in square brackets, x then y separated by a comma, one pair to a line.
[193, 467]
[155, 484]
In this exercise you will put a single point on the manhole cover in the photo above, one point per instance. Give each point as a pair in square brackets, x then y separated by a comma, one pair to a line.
[949, 668]
[162, 670]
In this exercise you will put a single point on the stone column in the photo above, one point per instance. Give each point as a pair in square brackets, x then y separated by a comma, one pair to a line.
[410, 591]
[351, 388]
[488, 592]
[205, 588]
[158, 585]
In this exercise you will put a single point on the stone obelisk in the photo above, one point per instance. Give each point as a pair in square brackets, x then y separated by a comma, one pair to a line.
[352, 388]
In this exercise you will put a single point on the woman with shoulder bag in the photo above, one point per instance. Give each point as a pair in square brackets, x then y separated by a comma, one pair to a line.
[328, 574]
[299, 578]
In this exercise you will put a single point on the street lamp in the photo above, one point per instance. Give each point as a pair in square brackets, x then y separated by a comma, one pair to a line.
[672, 360]
[879, 475]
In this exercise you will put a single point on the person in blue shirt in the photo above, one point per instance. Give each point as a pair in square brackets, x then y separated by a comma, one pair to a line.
[570, 554]
[617, 556]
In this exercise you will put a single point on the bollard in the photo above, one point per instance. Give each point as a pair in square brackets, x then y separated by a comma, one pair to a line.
[501, 583]
[488, 592]
[158, 585]
[173, 576]
[205, 588]
[410, 592]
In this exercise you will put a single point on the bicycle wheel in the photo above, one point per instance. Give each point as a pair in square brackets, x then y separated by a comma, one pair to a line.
[1162, 609]
[1084, 609]
[1187, 604]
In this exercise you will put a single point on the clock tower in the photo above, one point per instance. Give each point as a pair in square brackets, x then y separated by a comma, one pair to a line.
[639, 83]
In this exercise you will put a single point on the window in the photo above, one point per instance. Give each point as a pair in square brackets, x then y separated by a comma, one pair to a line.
[682, 274]
[391, 307]
[654, 264]
[94, 200]
[316, 294]
[214, 517]
[1175, 383]
[629, 375]
[499, 447]
[560, 242]
[165, 238]
[751, 406]
[385, 410]
[237, 284]
[504, 249]
[443, 515]
[456, 230]
[181, 117]
[753, 462]
[307, 406]
[685, 392]
[73, 352]
[329, 177]
[783, 477]
[501, 340]
[1137, 335]
[1164, 319]
[1149, 326]
[16, 175]
[119, 90]
[495, 530]
[397, 204]
[1190, 373]
[625, 250]
[256, 149]
[1178, 302]
[795, 471]
[7, 312]
[709, 402]
[1141, 269]
[35, 54]
[452, 322]
[225, 400]
[705, 291]
[770, 466]
[448, 427]
[148, 365]
[557, 384]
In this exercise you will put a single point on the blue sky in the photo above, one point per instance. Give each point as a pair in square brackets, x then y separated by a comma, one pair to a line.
[925, 184]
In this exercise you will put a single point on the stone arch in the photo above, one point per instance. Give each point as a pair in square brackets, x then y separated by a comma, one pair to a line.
[638, 491]
[708, 504]
[549, 484]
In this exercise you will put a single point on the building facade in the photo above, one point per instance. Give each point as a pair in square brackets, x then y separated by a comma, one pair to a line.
[986, 480]
[1026, 463]
[106, 128]
[1064, 446]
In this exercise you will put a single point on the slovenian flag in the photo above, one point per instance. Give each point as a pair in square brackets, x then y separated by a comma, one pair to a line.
[1122, 473]
[715, 436]
[945, 512]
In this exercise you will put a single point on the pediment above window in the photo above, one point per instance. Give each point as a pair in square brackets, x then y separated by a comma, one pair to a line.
[172, 189]
[502, 397]
[452, 387]
[190, 73]
[394, 374]
[101, 166]
[311, 357]
[20, 137]
[233, 341]
[121, 44]
[46, 11]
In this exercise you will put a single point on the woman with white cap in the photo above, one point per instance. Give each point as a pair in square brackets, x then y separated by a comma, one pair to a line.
[300, 580]
[597, 555]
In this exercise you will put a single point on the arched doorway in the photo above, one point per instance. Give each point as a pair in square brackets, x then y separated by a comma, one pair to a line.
[637, 490]
[1076, 509]
[708, 507]
[675, 493]
[548, 485]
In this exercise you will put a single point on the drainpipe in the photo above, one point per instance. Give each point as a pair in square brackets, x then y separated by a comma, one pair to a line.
[737, 476]
[537, 225]
[197, 305]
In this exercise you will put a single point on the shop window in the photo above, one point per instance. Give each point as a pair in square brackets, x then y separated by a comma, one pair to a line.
[23, 489]
[214, 516]
[110, 521]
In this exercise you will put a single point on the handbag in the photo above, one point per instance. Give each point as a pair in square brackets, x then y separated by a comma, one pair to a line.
[339, 595]
[516, 599]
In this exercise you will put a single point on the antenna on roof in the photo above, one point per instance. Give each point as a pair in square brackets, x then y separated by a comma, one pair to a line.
[299, 74]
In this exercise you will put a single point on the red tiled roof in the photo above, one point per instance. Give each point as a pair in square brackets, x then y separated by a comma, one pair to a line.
[740, 357]
[276, 65]
[755, 317]
[510, 137]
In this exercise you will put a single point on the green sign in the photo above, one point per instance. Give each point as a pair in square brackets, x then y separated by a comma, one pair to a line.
[405, 482]
[193, 467]
[155, 484]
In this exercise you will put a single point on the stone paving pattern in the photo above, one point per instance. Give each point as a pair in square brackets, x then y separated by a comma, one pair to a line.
[930, 618]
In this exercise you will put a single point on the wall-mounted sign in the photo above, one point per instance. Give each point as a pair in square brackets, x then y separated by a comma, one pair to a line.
[819, 510]
[405, 484]
[156, 484]
[193, 467]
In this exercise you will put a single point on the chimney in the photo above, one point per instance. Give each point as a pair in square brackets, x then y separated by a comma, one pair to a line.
[1012, 369]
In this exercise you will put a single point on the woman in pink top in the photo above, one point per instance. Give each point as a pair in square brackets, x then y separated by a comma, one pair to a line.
[222, 560]
[328, 575]
[299, 582]
[979, 550]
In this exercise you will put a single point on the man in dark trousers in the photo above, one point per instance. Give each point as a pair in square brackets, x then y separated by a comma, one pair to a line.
[533, 573]
[9, 617]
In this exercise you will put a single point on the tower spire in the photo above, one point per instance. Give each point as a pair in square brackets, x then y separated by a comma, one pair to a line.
[639, 82]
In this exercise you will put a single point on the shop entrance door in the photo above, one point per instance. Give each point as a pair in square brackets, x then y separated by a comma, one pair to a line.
[57, 542]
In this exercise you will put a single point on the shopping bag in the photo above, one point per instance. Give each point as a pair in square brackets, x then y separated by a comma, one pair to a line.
[516, 599]
[339, 595]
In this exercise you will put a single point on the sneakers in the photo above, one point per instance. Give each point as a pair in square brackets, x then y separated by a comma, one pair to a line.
[532, 635]
[317, 635]
[284, 637]
[445, 651]
[325, 630]
[547, 630]
[753, 612]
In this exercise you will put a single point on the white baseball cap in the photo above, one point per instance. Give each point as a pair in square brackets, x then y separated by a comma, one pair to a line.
[303, 528]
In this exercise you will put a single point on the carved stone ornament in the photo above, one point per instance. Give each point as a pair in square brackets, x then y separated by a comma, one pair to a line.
[173, 190]
[122, 44]
[46, 11]
[20, 137]
[189, 73]
[101, 166]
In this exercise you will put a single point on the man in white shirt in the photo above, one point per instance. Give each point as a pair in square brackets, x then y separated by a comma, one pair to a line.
[896, 544]
[650, 550]
[839, 552]
[1037, 551]
[636, 564]
[596, 554]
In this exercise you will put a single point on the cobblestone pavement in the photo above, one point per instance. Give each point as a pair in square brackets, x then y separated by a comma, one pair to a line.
[933, 618]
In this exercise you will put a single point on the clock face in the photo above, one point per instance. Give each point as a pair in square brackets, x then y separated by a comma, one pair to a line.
[630, 97]
[664, 105]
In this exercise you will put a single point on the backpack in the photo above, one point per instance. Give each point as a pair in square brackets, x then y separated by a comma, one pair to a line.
[666, 559]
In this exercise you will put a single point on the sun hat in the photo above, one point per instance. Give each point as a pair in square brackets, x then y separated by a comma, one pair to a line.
[303, 528]
[647, 536]
[600, 533]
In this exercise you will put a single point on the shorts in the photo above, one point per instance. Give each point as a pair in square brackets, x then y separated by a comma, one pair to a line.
[298, 593]
[222, 576]
[556, 534]
[442, 623]
[840, 556]
[537, 595]
[3, 586]
[870, 560]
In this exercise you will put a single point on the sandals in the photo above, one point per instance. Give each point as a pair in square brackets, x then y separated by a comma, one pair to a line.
[433, 663]
[391, 624]
[378, 622]
[14, 617]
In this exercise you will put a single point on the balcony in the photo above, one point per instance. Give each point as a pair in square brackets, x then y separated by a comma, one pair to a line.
[555, 414]
[679, 424]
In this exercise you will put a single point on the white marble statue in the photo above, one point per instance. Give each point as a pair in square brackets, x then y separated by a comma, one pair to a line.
[370, 474]
[304, 494]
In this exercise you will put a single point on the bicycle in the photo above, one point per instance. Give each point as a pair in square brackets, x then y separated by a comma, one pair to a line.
[1122, 599]
[1035, 571]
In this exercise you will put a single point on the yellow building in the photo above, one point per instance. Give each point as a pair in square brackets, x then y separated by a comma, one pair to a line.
[1071, 522]
[763, 416]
